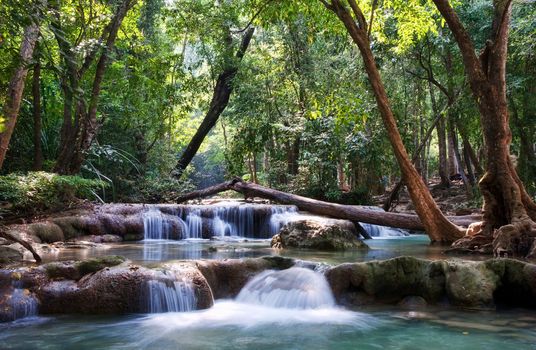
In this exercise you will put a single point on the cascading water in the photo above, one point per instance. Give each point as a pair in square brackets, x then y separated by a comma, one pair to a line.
[294, 288]
[155, 226]
[384, 231]
[170, 297]
[21, 302]
[194, 224]
[281, 216]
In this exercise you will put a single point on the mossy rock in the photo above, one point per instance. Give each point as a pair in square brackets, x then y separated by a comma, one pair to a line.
[327, 235]
[75, 270]
[10, 254]
[47, 232]
[71, 226]
[93, 265]
[471, 284]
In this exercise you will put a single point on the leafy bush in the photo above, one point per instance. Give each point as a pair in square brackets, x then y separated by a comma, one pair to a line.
[35, 191]
[153, 188]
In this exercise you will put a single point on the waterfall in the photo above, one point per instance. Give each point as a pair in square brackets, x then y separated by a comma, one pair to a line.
[194, 224]
[171, 296]
[294, 288]
[22, 302]
[281, 216]
[251, 221]
[384, 231]
[155, 226]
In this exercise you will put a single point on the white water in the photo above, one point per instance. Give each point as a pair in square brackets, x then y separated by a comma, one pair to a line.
[155, 226]
[22, 302]
[194, 225]
[232, 313]
[384, 231]
[170, 297]
[294, 288]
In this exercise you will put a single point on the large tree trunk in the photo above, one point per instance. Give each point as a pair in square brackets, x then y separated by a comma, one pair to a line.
[509, 212]
[16, 87]
[340, 211]
[437, 226]
[81, 137]
[220, 99]
[36, 97]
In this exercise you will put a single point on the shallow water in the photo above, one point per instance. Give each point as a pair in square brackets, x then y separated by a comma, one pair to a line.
[164, 250]
[233, 325]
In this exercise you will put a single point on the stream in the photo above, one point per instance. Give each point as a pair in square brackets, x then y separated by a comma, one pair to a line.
[288, 309]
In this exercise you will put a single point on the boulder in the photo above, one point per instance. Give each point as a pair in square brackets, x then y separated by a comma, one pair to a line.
[11, 253]
[117, 290]
[226, 278]
[387, 281]
[320, 235]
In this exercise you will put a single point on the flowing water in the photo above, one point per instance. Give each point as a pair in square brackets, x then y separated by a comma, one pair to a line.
[173, 296]
[289, 309]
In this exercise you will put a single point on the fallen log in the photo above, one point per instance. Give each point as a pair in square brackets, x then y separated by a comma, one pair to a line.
[353, 213]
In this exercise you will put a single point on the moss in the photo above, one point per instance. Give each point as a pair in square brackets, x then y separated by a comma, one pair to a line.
[96, 264]
[133, 237]
[71, 226]
[279, 262]
[47, 232]
[56, 270]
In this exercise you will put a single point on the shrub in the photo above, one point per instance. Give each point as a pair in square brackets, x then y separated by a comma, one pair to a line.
[37, 191]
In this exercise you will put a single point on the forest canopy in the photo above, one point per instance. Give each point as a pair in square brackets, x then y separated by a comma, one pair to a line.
[335, 100]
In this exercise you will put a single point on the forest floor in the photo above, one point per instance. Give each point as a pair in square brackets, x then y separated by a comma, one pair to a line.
[453, 201]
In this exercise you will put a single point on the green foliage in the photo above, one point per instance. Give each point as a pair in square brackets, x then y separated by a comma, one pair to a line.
[36, 191]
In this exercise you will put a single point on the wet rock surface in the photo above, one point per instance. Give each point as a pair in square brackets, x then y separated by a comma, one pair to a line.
[467, 284]
[113, 285]
[327, 235]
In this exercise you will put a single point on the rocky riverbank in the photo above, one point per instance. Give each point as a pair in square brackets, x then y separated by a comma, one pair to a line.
[113, 285]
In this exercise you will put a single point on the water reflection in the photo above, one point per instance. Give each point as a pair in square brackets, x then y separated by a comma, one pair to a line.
[237, 247]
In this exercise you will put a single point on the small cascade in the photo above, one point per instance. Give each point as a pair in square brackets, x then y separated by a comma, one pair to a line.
[170, 297]
[155, 226]
[384, 231]
[21, 302]
[194, 224]
[220, 227]
[281, 216]
[294, 288]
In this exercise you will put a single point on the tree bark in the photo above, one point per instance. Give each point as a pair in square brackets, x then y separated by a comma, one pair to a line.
[437, 226]
[220, 99]
[36, 101]
[509, 212]
[16, 87]
[334, 210]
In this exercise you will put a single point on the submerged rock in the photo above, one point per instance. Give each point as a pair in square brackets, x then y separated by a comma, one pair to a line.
[319, 235]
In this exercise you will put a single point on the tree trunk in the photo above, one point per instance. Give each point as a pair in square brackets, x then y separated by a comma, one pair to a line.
[16, 87]
[509, 212]
[438, 227]
[340, 211]
[86, 126]
[36, 101]
[220, 99]
[388, 204]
